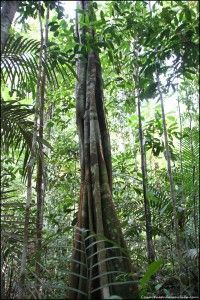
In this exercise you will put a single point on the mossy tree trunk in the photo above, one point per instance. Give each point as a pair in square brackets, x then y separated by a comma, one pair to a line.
[96, 210]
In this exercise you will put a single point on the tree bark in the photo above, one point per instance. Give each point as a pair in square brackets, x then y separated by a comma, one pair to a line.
[7, 15]
[40, 182]
[96, 210]
[150, 247]
[181, 152]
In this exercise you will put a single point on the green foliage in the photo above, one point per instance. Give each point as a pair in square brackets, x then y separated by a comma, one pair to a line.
[20, 64]
[88, 262]
[16, 127]
[168, 31]
[152, 270]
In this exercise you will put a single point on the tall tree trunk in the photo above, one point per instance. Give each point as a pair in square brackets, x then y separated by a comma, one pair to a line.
[181, 152]
[96, 210]
[40, 184]
[170, 175]
[7, 15]
[150, 247]
[30, 168]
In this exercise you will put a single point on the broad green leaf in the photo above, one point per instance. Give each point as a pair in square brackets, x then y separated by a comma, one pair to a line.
[152, 269]
[72, 70]
[46, 143]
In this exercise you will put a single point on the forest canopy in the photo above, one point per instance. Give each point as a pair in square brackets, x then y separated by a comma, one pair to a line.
[99, 149]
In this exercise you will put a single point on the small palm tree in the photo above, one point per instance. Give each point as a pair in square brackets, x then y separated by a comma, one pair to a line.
[19, 66]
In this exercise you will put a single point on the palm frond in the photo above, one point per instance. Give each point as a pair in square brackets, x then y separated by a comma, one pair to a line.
[12, 228]
[16, 130]
[20, 60]
[90, 283]
[160, 200]
[16, 127]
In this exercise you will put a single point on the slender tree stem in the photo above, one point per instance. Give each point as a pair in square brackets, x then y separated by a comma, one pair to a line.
[150, 247]
[30, 168]
[40, 184]
[180, 150]
[169, 169]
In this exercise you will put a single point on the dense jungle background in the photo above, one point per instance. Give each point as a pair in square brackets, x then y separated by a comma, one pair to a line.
[99, 149]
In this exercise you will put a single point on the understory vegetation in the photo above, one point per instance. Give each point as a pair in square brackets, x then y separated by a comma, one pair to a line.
[99, 149]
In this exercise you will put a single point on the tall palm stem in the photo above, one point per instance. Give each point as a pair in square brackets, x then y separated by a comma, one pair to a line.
[30, 169]
[40, 184]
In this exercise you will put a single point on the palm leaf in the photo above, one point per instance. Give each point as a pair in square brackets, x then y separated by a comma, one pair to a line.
[12, 227]
[116, 277]
[20, 60]
[91, 260]
[16, 127]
